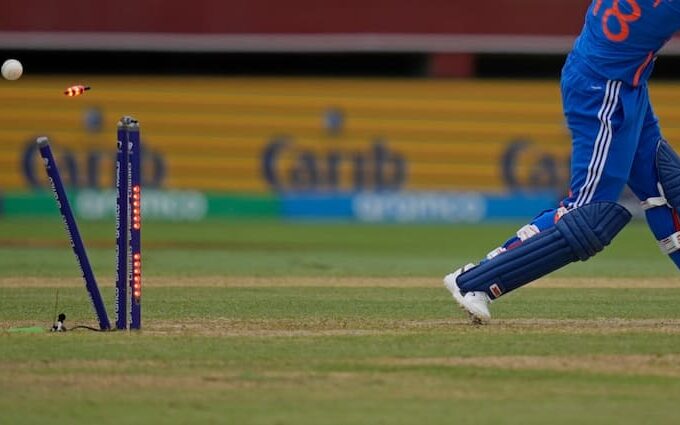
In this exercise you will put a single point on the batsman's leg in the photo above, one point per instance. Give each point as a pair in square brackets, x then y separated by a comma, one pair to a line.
[578, 235]
[657, 183]
[655, 180]
[589, 218]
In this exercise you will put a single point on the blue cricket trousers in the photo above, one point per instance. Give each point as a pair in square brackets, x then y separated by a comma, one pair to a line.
[614, 139]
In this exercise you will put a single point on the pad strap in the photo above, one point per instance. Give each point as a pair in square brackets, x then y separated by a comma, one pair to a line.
[670, 244]
[649, 203]
[656, 201]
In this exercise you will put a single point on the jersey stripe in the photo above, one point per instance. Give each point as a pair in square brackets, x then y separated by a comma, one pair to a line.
[607, 144]
[638, 72]
[593, 157]
[602, 143]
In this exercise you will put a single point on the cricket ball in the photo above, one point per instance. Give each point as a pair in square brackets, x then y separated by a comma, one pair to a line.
[12, 69]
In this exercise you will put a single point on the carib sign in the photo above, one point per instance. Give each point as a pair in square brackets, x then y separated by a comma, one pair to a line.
[288, 166]
[85, 170]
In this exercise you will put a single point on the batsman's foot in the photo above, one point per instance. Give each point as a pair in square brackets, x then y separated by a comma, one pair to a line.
[476, 304]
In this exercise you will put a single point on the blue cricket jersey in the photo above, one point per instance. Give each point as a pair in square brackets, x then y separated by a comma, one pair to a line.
[620, 38]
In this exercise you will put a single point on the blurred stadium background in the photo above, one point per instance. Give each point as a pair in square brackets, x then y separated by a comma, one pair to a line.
[271, 128]
[368, 110]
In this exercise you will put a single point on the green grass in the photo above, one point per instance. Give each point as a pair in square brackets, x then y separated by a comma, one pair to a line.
[334, 354]
[263, 248]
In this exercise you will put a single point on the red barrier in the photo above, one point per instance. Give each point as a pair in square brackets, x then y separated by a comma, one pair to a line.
[524, 17]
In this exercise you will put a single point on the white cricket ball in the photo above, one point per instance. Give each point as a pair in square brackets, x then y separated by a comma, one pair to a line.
[12, 69]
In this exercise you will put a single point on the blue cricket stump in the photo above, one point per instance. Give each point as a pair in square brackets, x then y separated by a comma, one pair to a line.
[73, 233]
[122, 224]
[135, 224]
[128, 224]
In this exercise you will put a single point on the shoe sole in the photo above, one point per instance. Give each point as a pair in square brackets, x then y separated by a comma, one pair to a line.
[452, 286]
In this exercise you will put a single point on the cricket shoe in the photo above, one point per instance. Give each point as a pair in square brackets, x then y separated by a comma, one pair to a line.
[476, 304]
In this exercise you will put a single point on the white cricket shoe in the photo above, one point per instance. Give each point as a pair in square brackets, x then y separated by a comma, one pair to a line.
[476, 304]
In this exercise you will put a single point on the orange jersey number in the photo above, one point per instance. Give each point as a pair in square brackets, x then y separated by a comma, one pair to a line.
[623, 19]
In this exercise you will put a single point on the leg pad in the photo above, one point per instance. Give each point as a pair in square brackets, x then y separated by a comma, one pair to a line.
[578, 235]
[668, 169]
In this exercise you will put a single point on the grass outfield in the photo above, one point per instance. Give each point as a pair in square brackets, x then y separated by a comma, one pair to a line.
[270, 323]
